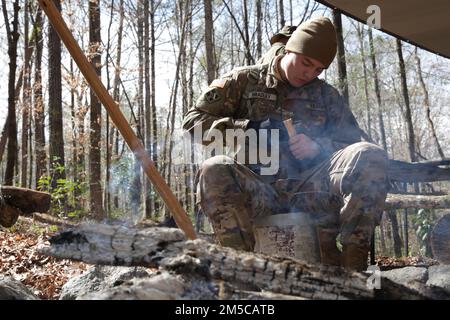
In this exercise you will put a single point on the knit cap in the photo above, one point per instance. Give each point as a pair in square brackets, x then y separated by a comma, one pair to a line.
[315, 38]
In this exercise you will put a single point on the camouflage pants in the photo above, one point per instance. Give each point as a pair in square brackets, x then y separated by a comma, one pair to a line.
[345, 194]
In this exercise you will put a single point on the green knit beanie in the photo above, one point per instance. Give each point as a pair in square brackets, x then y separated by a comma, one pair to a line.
[315, 38]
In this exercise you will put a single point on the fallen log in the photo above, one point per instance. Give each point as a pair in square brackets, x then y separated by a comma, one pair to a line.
[168, 250]
[402, 201]
[418, 171]
[27, 200]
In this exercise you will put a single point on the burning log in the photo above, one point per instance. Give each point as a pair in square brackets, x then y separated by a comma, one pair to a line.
[168, 250]
[401, 201]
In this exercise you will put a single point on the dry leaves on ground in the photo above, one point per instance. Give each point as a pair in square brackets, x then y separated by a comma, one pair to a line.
[386, 263]
[20, 260]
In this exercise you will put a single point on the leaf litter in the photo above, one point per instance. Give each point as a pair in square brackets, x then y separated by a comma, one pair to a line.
[20, 260]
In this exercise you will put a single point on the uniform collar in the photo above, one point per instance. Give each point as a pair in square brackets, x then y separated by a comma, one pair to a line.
[274, 79]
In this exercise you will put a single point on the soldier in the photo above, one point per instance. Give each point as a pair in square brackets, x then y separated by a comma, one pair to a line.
[329, 170]
[277, 44]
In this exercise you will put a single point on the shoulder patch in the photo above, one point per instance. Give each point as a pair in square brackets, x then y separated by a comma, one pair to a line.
[212, 96]
[218, 83]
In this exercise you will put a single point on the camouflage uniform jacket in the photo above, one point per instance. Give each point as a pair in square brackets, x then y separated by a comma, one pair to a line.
[278, 48]
[258, 93]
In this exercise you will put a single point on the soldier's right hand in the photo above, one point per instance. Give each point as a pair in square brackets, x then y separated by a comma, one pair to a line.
[303, 147]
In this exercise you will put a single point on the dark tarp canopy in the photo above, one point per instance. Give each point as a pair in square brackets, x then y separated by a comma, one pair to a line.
[425, 24]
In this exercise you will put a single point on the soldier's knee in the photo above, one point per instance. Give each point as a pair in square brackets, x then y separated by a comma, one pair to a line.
[217, 166]
[369, 155]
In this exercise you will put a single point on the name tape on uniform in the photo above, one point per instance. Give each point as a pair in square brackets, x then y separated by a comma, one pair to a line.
[263, 95]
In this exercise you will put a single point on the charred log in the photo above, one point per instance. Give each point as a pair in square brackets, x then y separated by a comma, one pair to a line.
[168, 250]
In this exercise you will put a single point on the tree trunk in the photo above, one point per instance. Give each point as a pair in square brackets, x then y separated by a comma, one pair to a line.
[209, 41]
[243, 33]
[342, 66]
[39, 134]
[406, 232]
[147, 106]
[426, 104]
[382, 238]
[408, 115]
[3, 139]
[113, 143]
[282, 19]
[13, 37]
[154, 120]
[96, 195]
[136, 189]
[106, 189]
[259, 21]
[377, 91]
[366, 85]
[183, 18]
[395, 233]
[291, 20]
[248, 54]
[56, 140]
[26, 99]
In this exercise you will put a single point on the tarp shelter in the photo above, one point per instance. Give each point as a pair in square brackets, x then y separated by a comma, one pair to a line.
[425, 24]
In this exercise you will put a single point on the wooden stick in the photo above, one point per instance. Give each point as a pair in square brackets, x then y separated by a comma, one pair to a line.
[180, 216]
[290, 127]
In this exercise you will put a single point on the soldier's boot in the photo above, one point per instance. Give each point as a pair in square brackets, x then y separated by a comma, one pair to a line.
[354, 257]
[329, 253]
[230, 231]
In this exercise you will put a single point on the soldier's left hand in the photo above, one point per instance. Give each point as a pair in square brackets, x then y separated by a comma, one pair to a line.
[303, 147]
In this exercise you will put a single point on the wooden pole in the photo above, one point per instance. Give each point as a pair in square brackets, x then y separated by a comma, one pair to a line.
[180, 216]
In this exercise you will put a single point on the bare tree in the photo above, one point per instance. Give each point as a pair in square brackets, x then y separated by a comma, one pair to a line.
[39, 147]
[341, 63]
[56, 140]
[395, 233]
[281, 11]
[377, 90]
[244, 33]
[426, 104]
[114, 147]
[3, 139]
[259, 23]
[26, 98]
[209, 41]
[13, 37]
[360, 31]
[96, 196]
[154, 119]
[405, 94]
